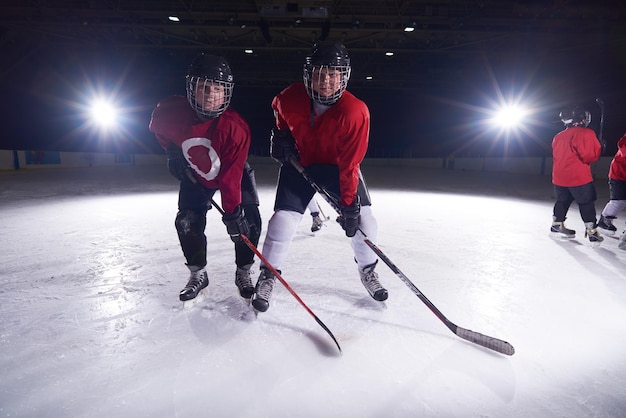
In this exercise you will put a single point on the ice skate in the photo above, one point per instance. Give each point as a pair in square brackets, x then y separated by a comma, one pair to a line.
[317, 222]
[592, 234]
[622, 241]
[198, 280]
[559, 230]
[263, 291]
[244, 282]
[369, 278]
[605, 224]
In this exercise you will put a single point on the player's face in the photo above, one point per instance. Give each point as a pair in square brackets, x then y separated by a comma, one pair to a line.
[326, 80]
[210, 95]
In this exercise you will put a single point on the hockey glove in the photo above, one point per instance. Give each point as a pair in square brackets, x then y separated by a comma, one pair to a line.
[282, 146]
[236, 224]
[176, 163]
[350, 217]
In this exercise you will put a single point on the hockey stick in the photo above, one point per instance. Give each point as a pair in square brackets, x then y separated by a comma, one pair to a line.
[600, 103]
[469, 335]
[321, 211]
[279, 277]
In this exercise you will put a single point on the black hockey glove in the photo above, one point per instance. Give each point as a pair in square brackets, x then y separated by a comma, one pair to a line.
[236, 224]
[176, 163]
[282, 146]
[350, 217]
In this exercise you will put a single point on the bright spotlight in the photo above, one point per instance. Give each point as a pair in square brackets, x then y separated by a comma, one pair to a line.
[103, 113]
[509, 117]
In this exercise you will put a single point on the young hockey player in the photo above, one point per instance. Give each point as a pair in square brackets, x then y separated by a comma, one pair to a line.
[617, 191]
[207, 147]
[573, 150]
[326, 128]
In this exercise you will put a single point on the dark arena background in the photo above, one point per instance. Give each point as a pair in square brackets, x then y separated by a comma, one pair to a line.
[432, 72]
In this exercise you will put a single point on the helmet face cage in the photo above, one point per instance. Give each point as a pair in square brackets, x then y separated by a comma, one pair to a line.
[209, 85]
[201, 91]
[326, 72]
[326, 83]
[575, 116]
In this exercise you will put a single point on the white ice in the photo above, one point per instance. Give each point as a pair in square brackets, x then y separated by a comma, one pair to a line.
[91, 325]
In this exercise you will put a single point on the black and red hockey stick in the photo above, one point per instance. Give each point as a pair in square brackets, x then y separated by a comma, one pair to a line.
[469, 335]
[600, 103]
[280, 278]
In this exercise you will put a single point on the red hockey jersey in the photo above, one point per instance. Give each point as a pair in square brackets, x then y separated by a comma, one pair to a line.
[617, 171]
[573, 150]
[215, 149]
[339, 136]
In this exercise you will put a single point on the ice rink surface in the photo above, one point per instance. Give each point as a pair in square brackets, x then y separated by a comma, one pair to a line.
[91, 325]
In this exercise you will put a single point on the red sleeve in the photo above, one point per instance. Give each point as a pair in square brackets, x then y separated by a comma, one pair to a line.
[232, 168]
[587, 146]
[352, 148]
[617, 170]
[171, 121]
[281, 124]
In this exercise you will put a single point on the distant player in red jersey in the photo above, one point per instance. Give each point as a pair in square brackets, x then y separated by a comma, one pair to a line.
[617, 191]
[573, 150]
[327, 129]
[207, 147]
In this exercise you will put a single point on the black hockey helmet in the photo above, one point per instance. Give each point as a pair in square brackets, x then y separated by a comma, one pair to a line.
[575, 116]
[213, 70]
[326, 56]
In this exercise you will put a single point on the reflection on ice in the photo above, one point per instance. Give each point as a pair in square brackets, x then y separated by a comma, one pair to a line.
[91, 325]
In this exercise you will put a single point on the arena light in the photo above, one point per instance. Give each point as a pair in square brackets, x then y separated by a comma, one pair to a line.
[409, 27]
[103, 113]
[509, 116]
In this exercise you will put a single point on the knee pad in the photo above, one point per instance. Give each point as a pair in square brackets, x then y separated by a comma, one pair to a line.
[189, 222]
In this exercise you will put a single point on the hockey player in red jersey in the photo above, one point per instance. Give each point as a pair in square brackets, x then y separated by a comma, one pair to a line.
[327, 129]
[573, 150]
[207, 146]
[617, 191]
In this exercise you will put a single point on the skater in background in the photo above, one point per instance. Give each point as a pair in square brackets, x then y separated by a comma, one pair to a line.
[207, 146]
[326, 129]
[617, 192]
[314, 210]
[573, 150]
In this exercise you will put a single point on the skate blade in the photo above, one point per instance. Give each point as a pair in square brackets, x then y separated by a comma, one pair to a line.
[595, 244]
[248, 303]
[200, 297]
[607, 232]
[559, 236]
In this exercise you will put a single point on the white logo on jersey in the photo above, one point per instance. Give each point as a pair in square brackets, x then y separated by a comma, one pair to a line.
[215, 159]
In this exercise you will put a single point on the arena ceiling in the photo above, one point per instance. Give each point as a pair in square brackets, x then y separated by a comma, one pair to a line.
[448, 36]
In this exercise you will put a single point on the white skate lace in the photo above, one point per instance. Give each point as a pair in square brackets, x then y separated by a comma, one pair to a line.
[265, 287]
[196, 281]
[242, 279]
[370, 281]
